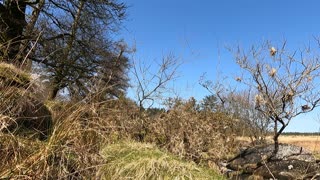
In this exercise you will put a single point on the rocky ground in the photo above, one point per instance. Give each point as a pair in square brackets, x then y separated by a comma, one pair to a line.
[291, 162]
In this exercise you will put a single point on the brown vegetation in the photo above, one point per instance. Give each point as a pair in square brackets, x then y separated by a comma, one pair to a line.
[24, 112]
[82, 130]
[96, 132]
[196, 135]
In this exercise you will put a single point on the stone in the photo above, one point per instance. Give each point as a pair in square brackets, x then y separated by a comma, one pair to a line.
[290, 162]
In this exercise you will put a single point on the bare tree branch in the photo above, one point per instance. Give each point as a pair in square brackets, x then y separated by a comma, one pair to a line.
[286, 86]
[149, 85]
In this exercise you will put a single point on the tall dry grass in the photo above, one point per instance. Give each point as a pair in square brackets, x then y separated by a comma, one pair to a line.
[80, 130]
[72, 151]
[66, 138]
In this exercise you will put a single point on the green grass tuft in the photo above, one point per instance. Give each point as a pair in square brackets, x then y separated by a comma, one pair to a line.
[131, 160]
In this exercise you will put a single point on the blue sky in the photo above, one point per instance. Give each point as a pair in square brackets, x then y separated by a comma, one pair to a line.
[198, 32]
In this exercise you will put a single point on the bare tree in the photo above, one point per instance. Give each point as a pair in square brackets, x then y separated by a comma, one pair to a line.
[150, 83]
[286, 83]
[69, 40]
[111, 80]
[218, 88]
[152, 80]
[240, 106]
[75, 44]
[237, 104]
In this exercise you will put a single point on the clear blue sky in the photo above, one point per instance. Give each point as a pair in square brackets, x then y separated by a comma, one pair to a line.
[198, 31]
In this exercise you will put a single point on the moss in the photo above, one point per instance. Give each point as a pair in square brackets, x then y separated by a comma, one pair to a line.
[130, 160]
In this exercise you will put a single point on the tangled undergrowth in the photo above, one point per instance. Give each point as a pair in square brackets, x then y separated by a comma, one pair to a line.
[81, 130]
[73, 140]
[199, 136]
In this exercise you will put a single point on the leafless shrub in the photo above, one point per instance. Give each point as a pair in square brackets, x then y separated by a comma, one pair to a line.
[196, 135]
[237, 104]
[286, 83]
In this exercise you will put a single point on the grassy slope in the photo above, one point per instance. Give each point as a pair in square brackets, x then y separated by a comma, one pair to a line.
[131, 160]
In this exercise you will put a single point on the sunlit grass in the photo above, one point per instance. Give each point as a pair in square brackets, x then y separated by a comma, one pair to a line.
[131, 160]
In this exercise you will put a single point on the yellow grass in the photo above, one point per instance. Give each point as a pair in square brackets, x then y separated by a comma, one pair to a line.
[311, 143]
[132, 160]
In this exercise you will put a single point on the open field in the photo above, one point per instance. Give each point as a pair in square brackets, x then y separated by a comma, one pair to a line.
[312, 143]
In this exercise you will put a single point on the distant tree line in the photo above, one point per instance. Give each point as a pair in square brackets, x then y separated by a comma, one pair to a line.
[301, 133]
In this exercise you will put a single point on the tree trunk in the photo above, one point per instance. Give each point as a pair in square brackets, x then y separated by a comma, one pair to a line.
[12, 24]
[28, 34]
[54, 93]
[276, 136]
[276, 144]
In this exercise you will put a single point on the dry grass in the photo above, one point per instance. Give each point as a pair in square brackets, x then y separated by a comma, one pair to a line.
[81, 129]
[312, 143]
[10, 75]
[72, 151]
[21, 105]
